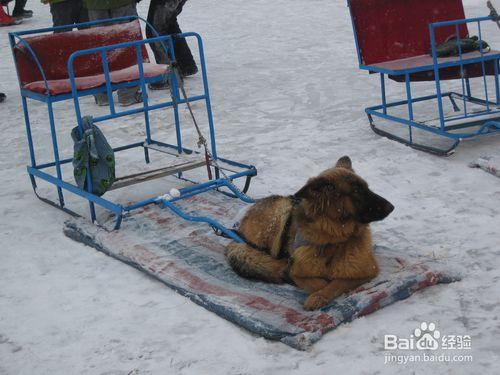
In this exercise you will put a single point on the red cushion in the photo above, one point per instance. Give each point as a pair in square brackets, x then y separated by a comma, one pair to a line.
[63, 86]
[397, 29]
[54, 50]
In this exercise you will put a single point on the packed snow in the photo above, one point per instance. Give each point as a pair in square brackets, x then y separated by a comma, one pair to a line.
[287, 97]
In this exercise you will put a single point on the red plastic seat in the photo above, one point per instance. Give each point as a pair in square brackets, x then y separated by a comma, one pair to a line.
[394, 34]
[54, 50]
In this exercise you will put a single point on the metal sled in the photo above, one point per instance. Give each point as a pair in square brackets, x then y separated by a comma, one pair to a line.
[101, 57]
[398, 39]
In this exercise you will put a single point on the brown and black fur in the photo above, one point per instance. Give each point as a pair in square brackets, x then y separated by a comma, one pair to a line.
[332, 213]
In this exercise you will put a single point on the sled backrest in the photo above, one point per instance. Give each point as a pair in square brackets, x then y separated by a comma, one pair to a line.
[387, 30]
[54, 50]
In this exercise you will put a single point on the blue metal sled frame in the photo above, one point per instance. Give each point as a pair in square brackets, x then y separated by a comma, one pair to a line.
[36, 170]
[461, 129]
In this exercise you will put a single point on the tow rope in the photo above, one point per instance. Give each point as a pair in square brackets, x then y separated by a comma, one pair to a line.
[202, 141]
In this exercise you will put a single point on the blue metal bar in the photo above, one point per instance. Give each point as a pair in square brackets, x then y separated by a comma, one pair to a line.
[382, 88]
[88, 92]
[473, 99]
[467, 84]
[109, 90]
[425, 68]
[37, 61]
[470, 116]
[483, 66]
[189, 151]
[425, 98]
[83, 93]
[461, 21]
[497, 85]
[144, 99]
[117, 209]
[410, 106]
[55, 150]
[436, 76]
[69, 160]
[176, 99]
[28, 132]
[141, 109]
[144, 91]
[438, 131]
[79, 25]
[202, 219]
[200, 188]
[81, 131]
[237, 164]
[462, 74]
[207, 96]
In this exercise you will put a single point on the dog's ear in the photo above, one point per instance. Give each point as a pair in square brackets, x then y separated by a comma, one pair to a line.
[318, 191]
[344, 162]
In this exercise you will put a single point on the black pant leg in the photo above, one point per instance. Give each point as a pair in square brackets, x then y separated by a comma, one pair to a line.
[157, 48]
[168, 26]
[19, 7]
[182, 51]
[82, 13]
[62, 14]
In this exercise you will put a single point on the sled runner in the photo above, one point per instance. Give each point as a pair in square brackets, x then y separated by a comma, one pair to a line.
[100, 57]
[404, 40]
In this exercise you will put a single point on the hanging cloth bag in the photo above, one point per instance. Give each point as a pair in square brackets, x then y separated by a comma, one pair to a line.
[93, 150]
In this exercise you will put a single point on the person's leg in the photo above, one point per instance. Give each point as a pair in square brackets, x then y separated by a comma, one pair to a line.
[158, 50]
[130, 95]
[82, 14]
[63, 14]
[165, 22]
[127, 10]
[101, 98]
[3, 97]
[167, 26]
[20, 12]
[98, 14]
[183, 54]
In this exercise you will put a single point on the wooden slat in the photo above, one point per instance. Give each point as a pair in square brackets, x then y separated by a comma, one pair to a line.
[182, 166]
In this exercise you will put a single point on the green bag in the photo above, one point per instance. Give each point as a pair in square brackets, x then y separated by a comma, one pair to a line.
[93, 150]
[451, 46]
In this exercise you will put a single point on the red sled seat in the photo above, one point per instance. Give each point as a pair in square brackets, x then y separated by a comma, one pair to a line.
[54, 50]
[393, 35]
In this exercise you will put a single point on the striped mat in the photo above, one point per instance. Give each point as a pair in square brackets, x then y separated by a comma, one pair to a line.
[189, 258]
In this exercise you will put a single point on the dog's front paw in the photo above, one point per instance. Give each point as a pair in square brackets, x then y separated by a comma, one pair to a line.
[315, 301]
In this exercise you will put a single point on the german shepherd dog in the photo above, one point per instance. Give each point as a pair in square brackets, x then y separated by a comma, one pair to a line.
[318, 239]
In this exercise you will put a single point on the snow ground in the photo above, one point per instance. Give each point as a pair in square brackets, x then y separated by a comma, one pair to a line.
[287, 97]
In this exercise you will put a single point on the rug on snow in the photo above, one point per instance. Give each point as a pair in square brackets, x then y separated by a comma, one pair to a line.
[490, 164]
[189, 258]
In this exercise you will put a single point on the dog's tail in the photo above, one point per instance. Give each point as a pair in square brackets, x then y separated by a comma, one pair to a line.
[254, 264]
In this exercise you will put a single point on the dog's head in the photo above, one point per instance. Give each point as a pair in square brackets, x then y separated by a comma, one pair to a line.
[339, 197]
